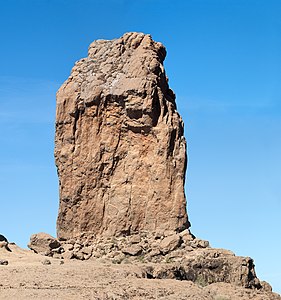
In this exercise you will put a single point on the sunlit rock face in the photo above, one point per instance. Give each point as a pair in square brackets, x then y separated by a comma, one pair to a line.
[119, 149]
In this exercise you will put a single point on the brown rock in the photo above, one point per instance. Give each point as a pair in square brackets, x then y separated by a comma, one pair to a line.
[186, 235]
[68, 255]
[154, 252]
[68, 247]
[3, 244]
[197, 243]
[78, 255]
[132, 250]
[203, 268]
[120, 149]
[87, 250]
[169, 243]
[135, 239]
[43, 243]
[46, 262]
[266, 286]
[3, 262]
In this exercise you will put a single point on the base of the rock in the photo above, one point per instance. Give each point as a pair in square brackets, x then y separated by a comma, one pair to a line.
[33, 276]
[167, 255]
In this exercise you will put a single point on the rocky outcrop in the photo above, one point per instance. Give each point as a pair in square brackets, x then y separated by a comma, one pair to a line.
[120, 150]
[31, 276]
[43, 243]
[166, 255]
[121, 159]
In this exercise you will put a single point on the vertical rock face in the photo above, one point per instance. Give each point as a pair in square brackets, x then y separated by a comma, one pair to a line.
[120, 150]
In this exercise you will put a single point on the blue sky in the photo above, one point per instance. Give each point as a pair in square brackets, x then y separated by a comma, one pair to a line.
[224, 65]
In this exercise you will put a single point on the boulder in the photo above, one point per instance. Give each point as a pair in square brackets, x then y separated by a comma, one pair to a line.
[68, 255]
[198, 243]
[170, 243]
[132, 250]
[43, 243]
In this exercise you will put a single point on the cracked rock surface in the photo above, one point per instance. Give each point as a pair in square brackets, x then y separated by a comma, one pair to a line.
[120, 150]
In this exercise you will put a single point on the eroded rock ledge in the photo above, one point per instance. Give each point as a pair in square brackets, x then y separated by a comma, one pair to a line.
[163, 255]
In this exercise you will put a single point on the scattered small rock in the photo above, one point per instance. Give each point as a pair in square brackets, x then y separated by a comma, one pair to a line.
[197, 243]
[132, 250]
[3, 262]
[135, 239]
[46, 262]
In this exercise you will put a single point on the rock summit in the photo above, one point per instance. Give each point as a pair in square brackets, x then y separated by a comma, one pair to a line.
[120, 150]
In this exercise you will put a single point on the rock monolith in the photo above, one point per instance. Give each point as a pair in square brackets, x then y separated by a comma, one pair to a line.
[120, 150]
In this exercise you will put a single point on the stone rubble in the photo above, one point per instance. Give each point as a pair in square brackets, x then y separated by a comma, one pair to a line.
[170, 256]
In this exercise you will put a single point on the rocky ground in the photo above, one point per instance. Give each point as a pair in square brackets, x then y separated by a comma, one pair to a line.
[27, 275]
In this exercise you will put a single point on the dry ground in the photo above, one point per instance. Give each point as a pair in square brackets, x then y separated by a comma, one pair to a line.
[26, 277]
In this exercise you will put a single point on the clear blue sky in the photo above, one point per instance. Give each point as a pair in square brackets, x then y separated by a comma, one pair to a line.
[224, 65]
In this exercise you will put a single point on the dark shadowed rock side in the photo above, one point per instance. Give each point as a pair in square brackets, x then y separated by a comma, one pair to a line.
[120, 150]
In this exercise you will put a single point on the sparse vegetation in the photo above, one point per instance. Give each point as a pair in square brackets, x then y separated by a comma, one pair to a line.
[201, 281]
[141, 258]
[168, 260]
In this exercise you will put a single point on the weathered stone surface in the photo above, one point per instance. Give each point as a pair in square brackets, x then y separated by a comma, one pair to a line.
[87, 250]
[120, 149]
[168, 257]
[135, 239]
[43, 243]
[197, 243]
[68, 247]
[169, 243]
[68, 255]
[132, 250]
[186, 235]
[78, 255]
[208, 266]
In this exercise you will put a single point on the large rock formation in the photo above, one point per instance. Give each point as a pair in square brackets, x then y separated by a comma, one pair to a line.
[121, 160]
[120, 149]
